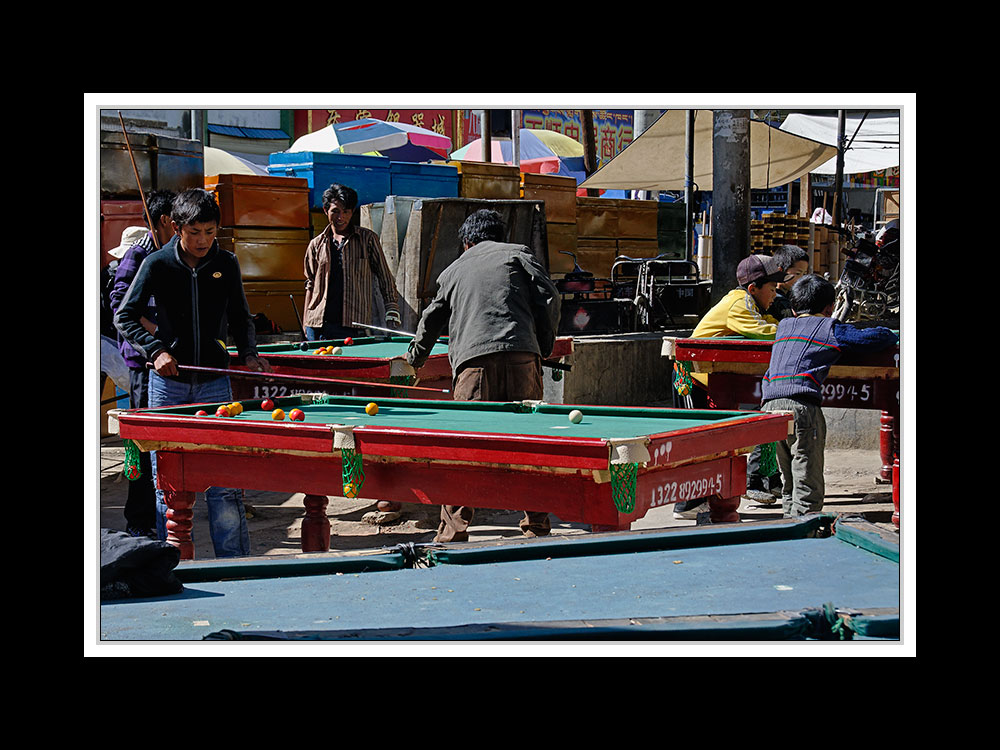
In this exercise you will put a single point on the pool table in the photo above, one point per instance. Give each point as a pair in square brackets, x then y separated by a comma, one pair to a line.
[736, 366]
[370, 358]
[607, 470]
[813, 578]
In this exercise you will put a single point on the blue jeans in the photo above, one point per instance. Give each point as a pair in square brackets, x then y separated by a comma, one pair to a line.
[329, 332]
[227, 521]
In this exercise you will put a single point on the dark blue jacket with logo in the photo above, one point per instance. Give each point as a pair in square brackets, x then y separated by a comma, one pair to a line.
[195, 308]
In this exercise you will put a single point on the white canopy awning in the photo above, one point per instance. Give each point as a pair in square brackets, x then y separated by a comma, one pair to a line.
[656, 159]
[872, 141]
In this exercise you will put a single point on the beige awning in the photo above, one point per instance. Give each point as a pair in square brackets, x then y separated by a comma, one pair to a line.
[656, 159]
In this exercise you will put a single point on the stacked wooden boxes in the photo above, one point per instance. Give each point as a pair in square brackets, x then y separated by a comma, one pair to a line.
[559, 196]
[265, 223]
[608, 228]
[776, 229]
[827, 251]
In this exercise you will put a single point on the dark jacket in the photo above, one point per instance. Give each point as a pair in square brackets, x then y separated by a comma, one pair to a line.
[194, 308]
[496, 297]
[804, 350]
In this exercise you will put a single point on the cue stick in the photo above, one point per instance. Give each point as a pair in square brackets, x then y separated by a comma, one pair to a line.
[545, 362]
[249, 374]
[297, 317]
[138, 182]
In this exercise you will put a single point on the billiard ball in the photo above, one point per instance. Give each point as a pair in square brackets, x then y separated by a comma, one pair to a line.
[223, 411]
[348, 341]
[267, 404]
[321, 350]
[372, 409]
[277, 415]
[350, 490]
[297, 415]
[336, 350]
[235, 408]
[575, 416]
[304, 346]
[201, 413]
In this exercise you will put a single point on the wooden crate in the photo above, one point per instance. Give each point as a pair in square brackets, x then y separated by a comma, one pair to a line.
[559, 194]
[607, 218]
[266, 254]
[487, 180]
[259, 201]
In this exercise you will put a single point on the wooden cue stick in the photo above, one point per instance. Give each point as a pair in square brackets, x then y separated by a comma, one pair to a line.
[297, 316]
[138, 182]
[545, 362]
[279, 376]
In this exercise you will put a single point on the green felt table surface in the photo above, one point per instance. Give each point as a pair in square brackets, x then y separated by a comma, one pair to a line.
[374, 347]
[482, 417]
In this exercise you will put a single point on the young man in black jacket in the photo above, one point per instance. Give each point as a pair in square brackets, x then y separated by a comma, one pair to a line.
[199, 299]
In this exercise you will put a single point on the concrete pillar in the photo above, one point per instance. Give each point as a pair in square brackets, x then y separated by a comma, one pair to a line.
[730, 196]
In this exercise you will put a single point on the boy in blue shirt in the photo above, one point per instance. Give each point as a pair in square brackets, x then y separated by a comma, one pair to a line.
[805, 348]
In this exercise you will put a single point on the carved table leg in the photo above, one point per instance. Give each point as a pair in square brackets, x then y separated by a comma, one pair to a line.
[724, 509]
[315, 525]
[178, 521]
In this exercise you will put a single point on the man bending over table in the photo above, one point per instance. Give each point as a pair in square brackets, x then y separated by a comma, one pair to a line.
[502, 314]
[199, 295]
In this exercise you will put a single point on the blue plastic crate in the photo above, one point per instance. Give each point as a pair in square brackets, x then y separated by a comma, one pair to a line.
[368, 175]
[423, 180]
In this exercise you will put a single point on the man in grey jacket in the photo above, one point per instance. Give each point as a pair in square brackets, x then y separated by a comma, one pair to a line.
[501, 311]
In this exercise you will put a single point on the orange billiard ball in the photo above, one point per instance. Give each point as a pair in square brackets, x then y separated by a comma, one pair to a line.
[372, 409]
[277, 415]
[350, 490]
[297, 415]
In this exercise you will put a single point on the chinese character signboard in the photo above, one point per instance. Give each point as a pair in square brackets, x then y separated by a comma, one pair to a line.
[437, 120]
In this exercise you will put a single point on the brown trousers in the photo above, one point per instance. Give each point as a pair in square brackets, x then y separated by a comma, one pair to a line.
[504, 376]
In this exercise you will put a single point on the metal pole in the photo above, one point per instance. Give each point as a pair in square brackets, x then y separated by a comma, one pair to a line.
[515, 136]
[838, 186]
[487, 138]
[689, 184]
[730, 196]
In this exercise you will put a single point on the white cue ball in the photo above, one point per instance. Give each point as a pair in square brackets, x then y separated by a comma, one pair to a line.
[575, 416]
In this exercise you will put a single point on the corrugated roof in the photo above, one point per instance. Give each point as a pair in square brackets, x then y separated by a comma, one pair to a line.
[238, 132]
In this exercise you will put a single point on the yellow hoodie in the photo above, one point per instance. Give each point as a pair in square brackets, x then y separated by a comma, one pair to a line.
[736, 314]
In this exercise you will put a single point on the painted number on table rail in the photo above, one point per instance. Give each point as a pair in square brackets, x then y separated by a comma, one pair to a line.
[841, 392]
[674, 492]
[276, 391]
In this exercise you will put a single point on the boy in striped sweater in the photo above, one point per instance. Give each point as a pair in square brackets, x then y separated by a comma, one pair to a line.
[805, 348]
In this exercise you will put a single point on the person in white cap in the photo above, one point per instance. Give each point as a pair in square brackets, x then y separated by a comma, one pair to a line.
[112, 363]
[137, 243]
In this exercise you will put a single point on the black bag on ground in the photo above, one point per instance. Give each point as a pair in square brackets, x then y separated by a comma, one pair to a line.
[137, 566]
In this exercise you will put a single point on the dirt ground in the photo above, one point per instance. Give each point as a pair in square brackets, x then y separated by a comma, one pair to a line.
[275, 519]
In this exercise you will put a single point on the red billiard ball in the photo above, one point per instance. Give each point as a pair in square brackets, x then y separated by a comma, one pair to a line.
[297, 415]
[348, 341]
[267, 404]
[201, 413]
[222, 411]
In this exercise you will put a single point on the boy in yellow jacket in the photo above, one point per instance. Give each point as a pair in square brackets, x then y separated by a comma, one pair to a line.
[739, 313]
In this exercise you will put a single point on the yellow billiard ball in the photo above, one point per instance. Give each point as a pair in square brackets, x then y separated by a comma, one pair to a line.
[277, 415]
[235, 408]
[372, 409]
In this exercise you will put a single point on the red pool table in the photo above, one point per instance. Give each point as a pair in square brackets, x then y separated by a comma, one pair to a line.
[371, 358]
[606, 470]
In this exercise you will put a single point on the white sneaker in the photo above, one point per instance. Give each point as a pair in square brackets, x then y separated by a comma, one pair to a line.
[759, 496]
